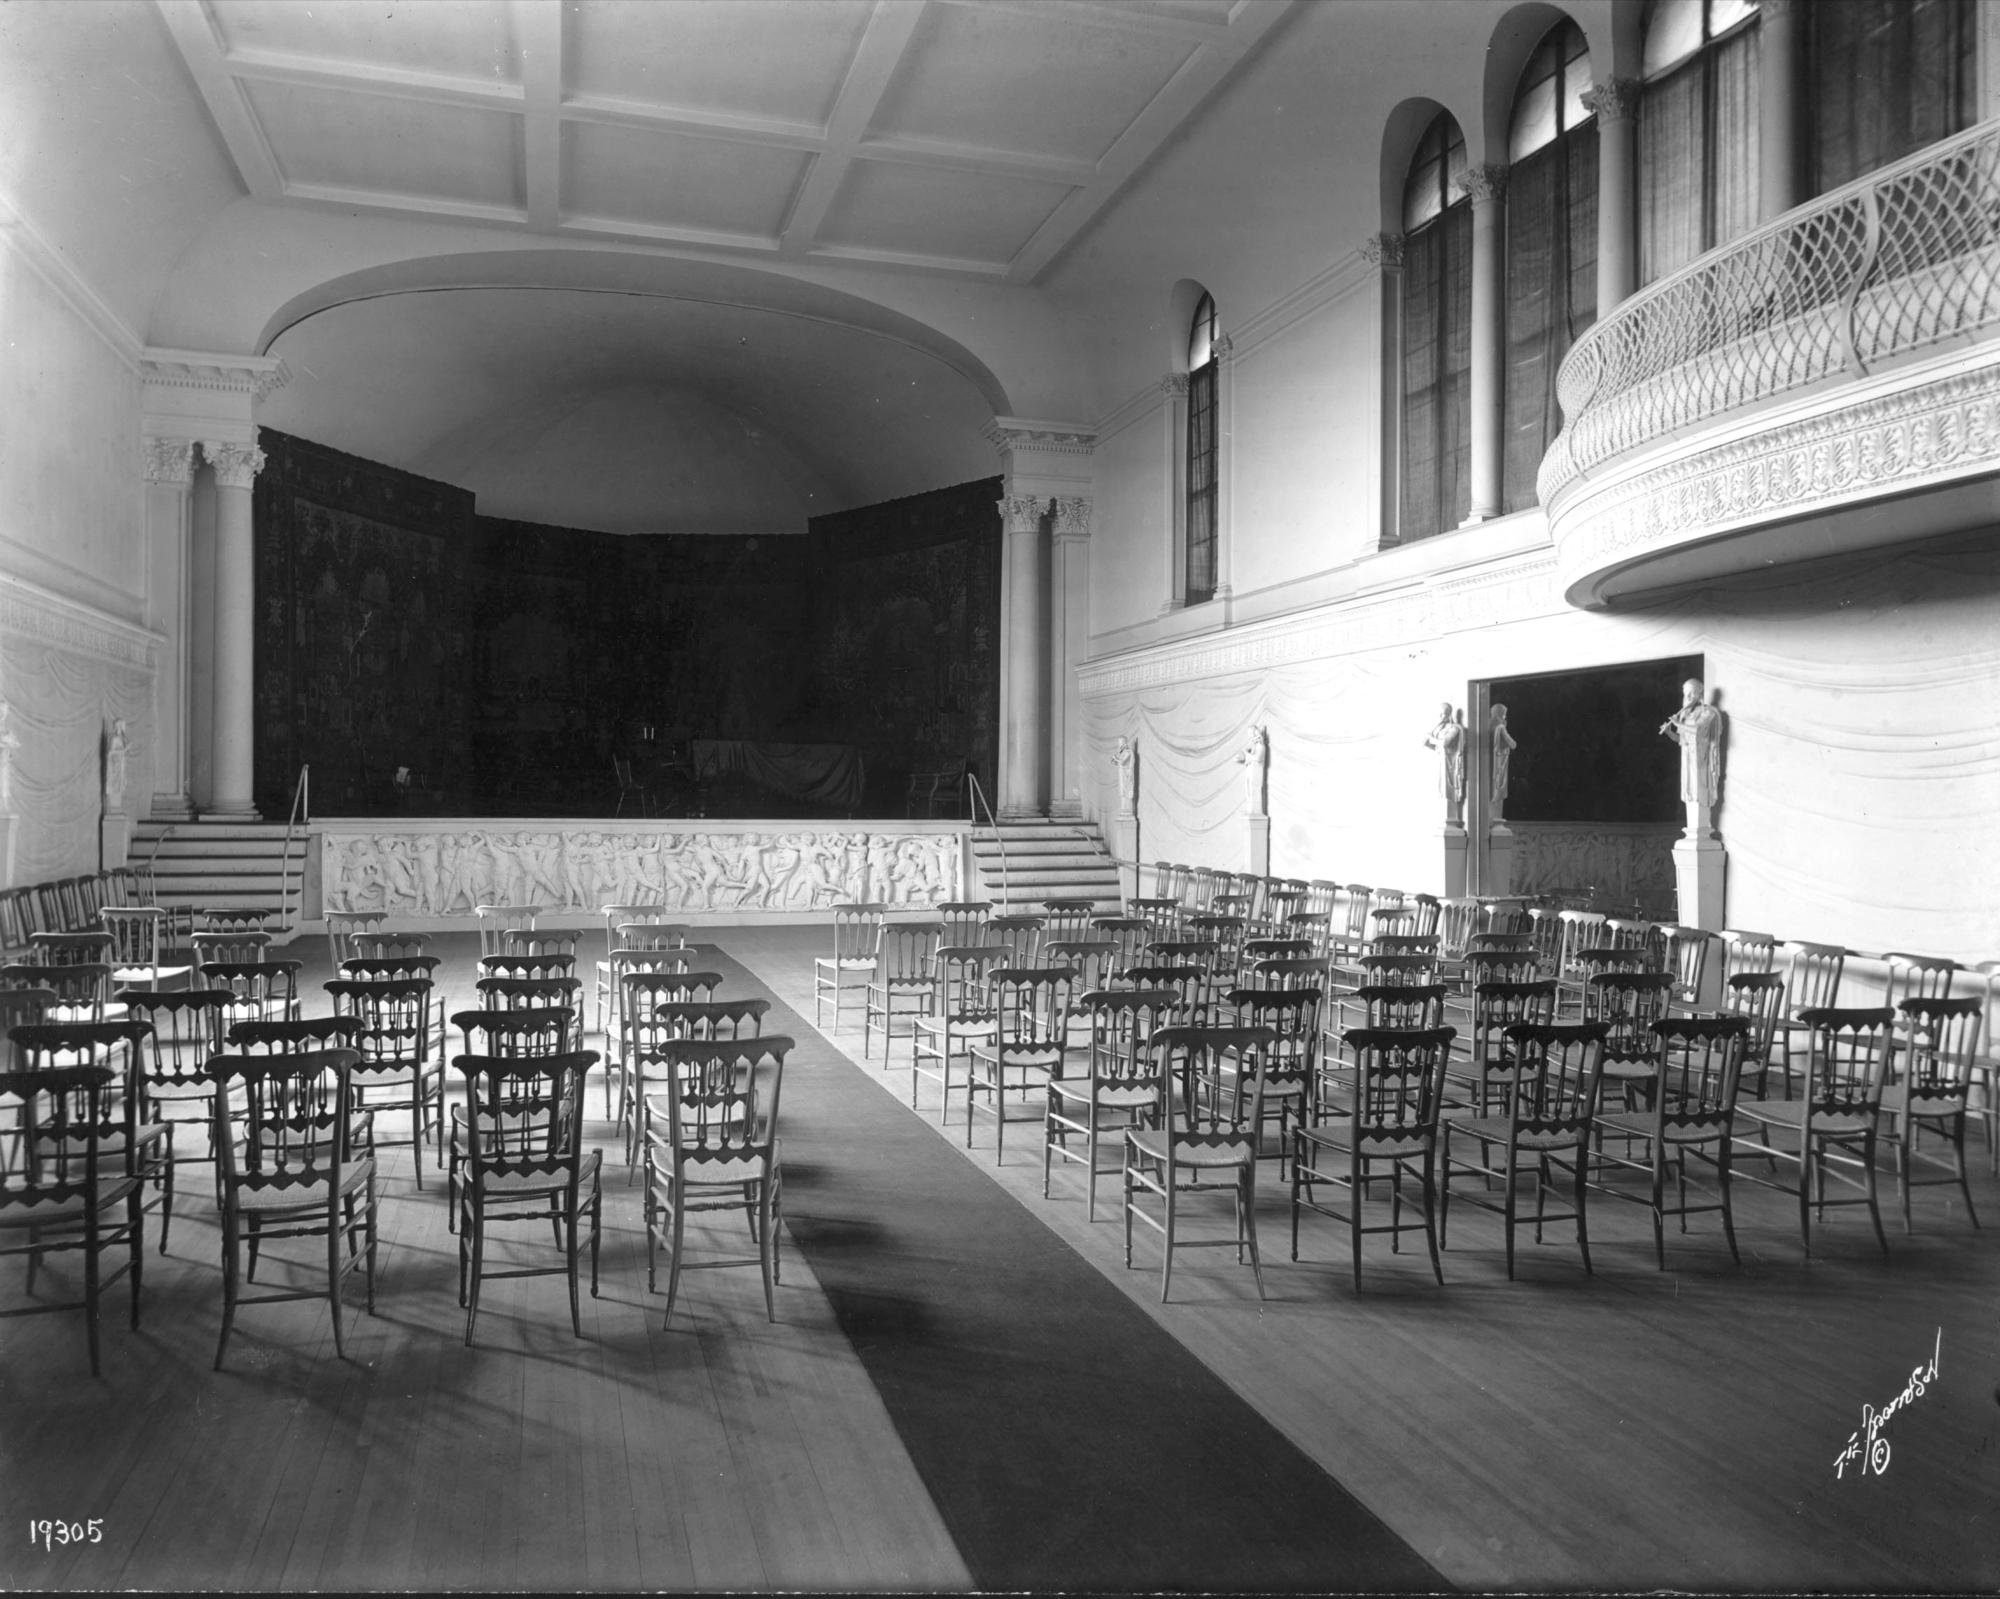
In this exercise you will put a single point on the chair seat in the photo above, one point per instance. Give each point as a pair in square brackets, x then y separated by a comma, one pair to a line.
[1113, 1096]
[858, 963]
[1495, 1129]
[966, 1025]
[275, 1200]
[1187, 1152]
[1373, 1146]
[531, 1185]
[52, 1212]
[1782, 1114]
[1642, 1126]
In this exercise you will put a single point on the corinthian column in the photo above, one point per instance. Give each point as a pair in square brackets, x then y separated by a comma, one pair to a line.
[1069, 643]
[1024, 654]
[236, 467]
[169, 466]
[1616, 106]
[1487, 186]
[1384, 252]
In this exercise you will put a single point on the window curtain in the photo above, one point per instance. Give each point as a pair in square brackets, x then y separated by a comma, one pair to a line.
[1201, 484]
[1884, 78]
[1698, 156]
[1437, 359]
[1551, 295]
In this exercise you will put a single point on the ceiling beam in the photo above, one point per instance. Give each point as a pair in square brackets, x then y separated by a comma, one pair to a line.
[194, 35]
[399, 83]
[1117, 19]
[1168, 111]
[701, 124]
[539, 27]
[884, 44]
[975, 158]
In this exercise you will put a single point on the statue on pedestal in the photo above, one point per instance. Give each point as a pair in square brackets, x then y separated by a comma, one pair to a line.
[1503, 750]
[116, 750]
[1125, 758]
[1448, 739]
[1254, 760]
[1697, 728]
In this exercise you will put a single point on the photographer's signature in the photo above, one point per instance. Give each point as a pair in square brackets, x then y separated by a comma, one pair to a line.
[1867, 1450]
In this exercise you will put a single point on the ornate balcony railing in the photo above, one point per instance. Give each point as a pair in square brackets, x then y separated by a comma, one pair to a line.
[1902, 261]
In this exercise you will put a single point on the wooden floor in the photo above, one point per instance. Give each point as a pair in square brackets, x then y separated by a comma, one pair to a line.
[1635, 1429]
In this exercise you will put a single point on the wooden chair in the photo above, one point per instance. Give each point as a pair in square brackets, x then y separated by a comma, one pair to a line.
[857, 929]
[1121, 1086]
[232, 919]
[1497, 1009]
[899, 982]
[630, 788]
[259, 990]
[516, 965]
[675, 1022]
[1629, 1003]
[1294, 1017]
[627, 965]
[341, 929]
[713, 1145]
[516, 1031]
[540, 941]
[71, 948]
[1205, 1142]
[1813, 974]
[388, 946]
[397, 1066]
[1831, 1129]
[78, 1190]
[1758, 997]
[171, 1065]
[1930, 1091]
[1549, 1105]
[1697, 1063]
[643, 991]
[960, 1015]
[1030, 1035]
[617, 918]
[291, 1172]
[496, 921]
[82, 992]
[964, 920]
[1067, 919]
[525, 1162]
[1744, 951]
[136, 945]
[231, 948]
[1130, 936]
[1021, 934]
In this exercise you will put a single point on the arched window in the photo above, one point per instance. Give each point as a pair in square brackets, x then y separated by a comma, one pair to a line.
[1884, 78]
[1697, 130]
[1551, 247]
[1202, 457]
[1437, 336]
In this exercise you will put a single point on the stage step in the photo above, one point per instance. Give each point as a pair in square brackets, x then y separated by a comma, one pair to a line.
[1021, 864]
[202, 865]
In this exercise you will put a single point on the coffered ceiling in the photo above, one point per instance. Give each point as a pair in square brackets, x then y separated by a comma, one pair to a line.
[973, 137]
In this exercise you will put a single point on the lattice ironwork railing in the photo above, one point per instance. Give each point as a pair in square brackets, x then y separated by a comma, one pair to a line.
[1902, 260]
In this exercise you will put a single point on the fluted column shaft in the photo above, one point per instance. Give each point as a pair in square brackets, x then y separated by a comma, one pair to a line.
[234, 726]
[1023, 738]
[1487, 185]
[1616, 106]
[1069, 644]
[169, 467]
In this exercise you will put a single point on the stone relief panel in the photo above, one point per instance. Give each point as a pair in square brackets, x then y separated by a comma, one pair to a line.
[428, 874]
[1625, 864]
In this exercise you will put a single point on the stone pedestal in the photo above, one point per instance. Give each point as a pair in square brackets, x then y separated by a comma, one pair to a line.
[8, 827]
[1124, 838]
[1700, 879]
[114, 840]
[1499, 861]
[1258, 829]
[1453, 837]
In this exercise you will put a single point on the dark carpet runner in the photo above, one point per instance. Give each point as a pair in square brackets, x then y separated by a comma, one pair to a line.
[1068, 1440]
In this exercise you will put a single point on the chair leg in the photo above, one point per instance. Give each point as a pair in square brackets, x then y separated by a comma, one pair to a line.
[767, 1249]
[475, 1230]
[1868, 1167]
[333, 1271]
[1246, 1195]
[230, 1266]
[674, 1250]
[1167, 1254]
[570, 1262]
[135, 1231]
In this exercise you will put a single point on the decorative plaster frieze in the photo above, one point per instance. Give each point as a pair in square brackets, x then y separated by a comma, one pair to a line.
[254, 375]
[1483, 185]
[1006, 438]
[1614, 100]
[1072, 516]
[1022, 513]
[34, 613]
[1513, 590]
[170, 462]
[1888, 445]
[1383, 250]
[236, 465]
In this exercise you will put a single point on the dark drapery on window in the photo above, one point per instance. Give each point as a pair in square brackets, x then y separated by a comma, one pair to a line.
[1437, 337]
[1201, 484]
[1698, 145]
[1884, 78]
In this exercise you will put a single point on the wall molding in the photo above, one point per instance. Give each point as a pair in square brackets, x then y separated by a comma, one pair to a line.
[28, 611]
[49, 264]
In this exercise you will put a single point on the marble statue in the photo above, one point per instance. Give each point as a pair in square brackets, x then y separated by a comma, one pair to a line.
[117, 750]
[1697, 728]
[1503, 750]
[10, 741]
[1125, 759]
[1255, 760]
[1448, 739]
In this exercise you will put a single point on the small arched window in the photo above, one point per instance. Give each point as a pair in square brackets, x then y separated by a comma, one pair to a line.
[1697, 130]
[1203, 459]
[1551, 247]
[1437, 336]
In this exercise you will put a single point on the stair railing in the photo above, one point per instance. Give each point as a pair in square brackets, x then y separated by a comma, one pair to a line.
[301, 813]
[974, 798]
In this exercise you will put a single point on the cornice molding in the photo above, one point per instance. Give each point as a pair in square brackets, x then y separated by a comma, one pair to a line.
[254, 375]
[1008, 434]
[47, 263]
[1890, 444]
[27, 611]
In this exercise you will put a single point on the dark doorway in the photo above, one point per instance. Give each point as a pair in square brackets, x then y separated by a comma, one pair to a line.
[1589, 743]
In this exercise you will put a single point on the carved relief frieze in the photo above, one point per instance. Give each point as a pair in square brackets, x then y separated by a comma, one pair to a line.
[577, 869]
[1625, 864]
[26, 611]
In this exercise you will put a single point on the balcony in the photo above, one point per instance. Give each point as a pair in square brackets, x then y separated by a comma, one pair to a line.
[1827, 384]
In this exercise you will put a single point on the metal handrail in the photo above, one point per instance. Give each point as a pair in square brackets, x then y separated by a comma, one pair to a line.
[301, 812]
[973, 800]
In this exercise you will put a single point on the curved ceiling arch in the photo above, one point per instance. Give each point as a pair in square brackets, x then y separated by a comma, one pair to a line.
[659, 277]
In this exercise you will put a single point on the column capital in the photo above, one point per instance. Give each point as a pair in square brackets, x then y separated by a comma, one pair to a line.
[1022, 513]
[236, 465]
[170, 462]
[1174, 385]
[1222, 347]
[1614, 100]
[1072, 516]
[1383, 250]
[1484, 185]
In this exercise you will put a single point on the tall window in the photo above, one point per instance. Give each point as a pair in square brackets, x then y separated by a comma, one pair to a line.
[1201, 454]
[1697, 130]
[1884, 78]
[1551, 248]
[1437, 336]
